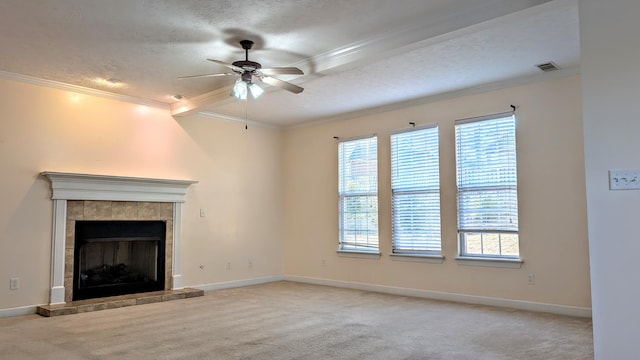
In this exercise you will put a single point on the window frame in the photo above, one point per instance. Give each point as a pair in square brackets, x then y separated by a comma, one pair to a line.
[399, 247]
[343, 196]
[508, 170]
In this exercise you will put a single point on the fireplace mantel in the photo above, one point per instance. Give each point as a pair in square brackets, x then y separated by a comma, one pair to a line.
[74, 186]
[71, 186]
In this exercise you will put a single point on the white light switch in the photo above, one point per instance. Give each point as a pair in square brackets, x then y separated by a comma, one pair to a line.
[624, 179]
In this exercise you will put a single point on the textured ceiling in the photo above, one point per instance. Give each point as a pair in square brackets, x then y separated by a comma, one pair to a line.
[356, 54]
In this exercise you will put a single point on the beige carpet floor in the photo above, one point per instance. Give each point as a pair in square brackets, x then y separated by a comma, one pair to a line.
[286, 320]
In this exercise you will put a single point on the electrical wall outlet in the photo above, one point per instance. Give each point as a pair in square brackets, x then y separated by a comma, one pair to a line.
[14, 283]
[531, 279]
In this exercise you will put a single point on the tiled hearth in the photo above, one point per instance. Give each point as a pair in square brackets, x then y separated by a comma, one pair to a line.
[82, 197]
[113, 302]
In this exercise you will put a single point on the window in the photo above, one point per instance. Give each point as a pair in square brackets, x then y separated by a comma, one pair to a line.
[358, 192]
[487, 186]
[415, 191]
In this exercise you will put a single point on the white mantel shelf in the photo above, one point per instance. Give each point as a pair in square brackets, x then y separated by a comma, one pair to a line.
[73, 186]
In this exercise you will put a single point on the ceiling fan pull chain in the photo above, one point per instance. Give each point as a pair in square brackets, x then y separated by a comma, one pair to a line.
[246, 114]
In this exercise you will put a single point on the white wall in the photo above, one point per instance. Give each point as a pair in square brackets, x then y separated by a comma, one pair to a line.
[239, 174]
[553, 229]
[611, 86]
[271, 197]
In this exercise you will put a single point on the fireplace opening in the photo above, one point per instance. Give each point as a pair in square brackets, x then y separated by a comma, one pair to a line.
[118, 257]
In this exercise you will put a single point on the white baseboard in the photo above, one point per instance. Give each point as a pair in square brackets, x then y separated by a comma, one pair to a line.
[576, 311]
[238, 283]
[17, 311]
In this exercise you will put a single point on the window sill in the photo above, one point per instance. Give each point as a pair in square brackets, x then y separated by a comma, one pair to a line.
[432, 259]
[489, 261]
[359, 254]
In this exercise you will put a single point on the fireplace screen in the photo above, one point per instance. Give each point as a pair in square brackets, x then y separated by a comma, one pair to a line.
[118, 257]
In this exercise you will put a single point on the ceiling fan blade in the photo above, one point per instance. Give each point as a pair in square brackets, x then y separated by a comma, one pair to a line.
[230, 66]
[283, 84]
[205, 75]
[282, 71]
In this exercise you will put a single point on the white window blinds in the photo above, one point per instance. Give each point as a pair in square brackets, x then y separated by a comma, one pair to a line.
[486, 174]
[415, 183]
[358, 192]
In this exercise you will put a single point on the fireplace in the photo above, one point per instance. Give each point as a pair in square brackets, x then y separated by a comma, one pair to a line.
[118, 257]
[101, 262]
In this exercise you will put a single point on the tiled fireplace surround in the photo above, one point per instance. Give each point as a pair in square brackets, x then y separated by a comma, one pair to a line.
[101, 197]
[115, 210]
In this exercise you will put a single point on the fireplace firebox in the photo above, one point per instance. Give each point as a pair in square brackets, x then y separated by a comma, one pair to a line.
[118, 257]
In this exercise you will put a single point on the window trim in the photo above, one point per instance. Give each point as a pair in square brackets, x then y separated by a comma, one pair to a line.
[413, 128]
[484, 117]
[512, 263]
[359, 252]
[485, 259]
[412, 255]
[423, 258]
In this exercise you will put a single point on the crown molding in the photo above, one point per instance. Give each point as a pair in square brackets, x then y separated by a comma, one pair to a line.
[405, 39]
[81, 89]
[493, 86]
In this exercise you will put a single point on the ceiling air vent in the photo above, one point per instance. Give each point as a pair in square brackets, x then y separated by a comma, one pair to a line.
[546, 67]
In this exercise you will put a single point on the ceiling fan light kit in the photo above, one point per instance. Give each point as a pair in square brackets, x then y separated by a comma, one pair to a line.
[248, 70]
[256, 90]
[240, 90]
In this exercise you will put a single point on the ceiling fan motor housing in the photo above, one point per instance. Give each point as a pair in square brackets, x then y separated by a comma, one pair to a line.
[247, 65]
[246, 77]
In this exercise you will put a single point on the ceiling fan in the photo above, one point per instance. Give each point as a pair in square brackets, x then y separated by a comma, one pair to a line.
[250, 70]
